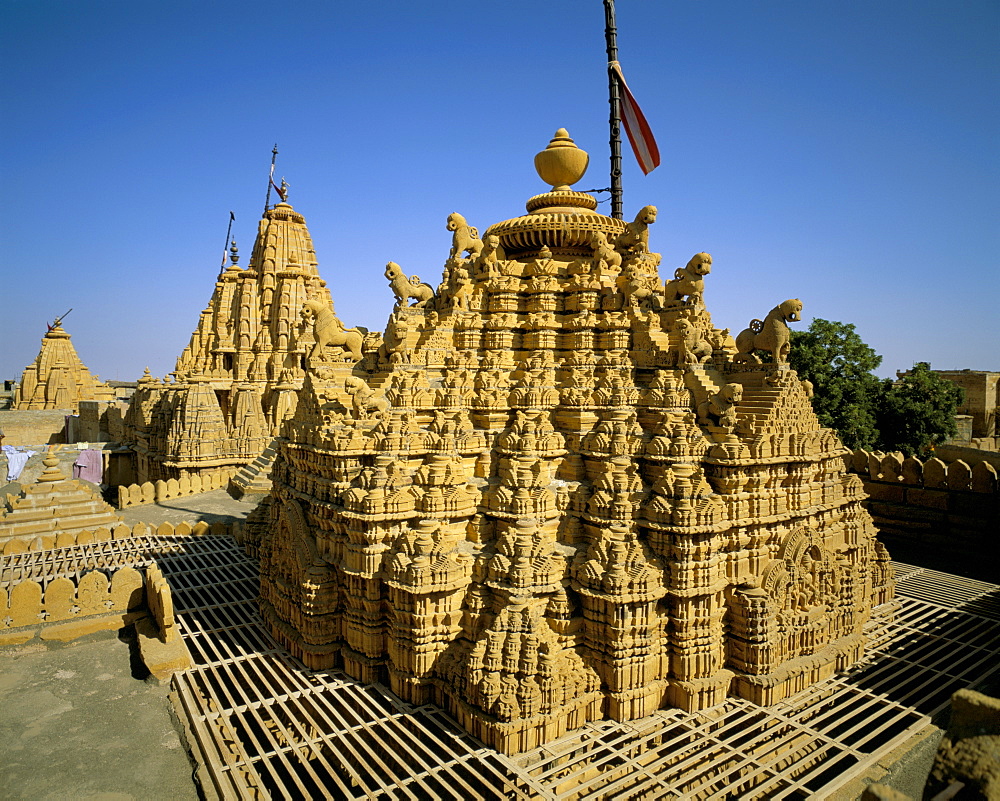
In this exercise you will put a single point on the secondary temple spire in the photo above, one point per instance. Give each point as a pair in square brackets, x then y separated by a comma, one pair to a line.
[237, 379]
[58, 379]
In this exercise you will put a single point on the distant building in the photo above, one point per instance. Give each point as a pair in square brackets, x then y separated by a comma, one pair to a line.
[982, 395]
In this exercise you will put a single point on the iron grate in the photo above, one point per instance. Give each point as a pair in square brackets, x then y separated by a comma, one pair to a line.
[267, 727]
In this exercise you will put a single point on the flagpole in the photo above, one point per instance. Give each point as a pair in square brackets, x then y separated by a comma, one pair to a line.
[611, 39]
[229, 230]
[270, 178]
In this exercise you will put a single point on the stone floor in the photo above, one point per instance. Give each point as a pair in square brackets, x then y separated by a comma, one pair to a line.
[214, 506]
[77, 720]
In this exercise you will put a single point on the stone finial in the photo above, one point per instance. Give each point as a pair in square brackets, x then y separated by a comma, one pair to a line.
[51, 471]
[562, 163]
[234, 252]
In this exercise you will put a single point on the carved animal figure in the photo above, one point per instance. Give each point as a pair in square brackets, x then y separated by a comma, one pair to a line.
[689, 281]
[720, 408]
[606, 258]
[328, 331]
[635, 238]
[692, 349]
[367, 402]
[465, 238]
[405, 288]
[771, 334]
[488, 262]
[637, 287]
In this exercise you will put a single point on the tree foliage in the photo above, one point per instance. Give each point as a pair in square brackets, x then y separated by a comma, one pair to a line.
[910, 415]
[918, 411]
[839, 364]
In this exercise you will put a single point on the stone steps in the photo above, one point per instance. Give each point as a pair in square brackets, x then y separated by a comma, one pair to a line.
[255, 478]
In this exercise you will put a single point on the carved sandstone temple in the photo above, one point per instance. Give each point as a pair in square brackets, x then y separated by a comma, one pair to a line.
[554, 492]
[57, 379]
[238, 378]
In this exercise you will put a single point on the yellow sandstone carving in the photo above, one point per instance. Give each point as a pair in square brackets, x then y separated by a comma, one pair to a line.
[57, 379]
[771, 334]
[405, 288]
[557, 493]
[237, 381]
[689, 281]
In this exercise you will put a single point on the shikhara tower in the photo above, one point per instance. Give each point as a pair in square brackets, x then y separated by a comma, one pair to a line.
[237, 380]
[57, 379]
[553, 491]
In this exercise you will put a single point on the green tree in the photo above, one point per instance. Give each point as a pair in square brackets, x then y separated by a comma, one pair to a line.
[911, 415]
[839, 364]
[917, 412]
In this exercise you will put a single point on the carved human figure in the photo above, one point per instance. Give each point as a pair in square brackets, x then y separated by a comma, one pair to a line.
[689, 281]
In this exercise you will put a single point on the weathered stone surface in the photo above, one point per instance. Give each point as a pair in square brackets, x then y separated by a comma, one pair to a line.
[970, 751]
[552, 491]
[927, 498]
[890, 493]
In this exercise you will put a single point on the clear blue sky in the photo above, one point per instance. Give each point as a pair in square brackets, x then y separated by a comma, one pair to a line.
[841, 152]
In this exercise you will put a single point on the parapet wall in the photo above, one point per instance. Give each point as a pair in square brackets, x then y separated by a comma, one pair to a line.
[941, 515]
[67, 608]
[66, 539]
[159, 491]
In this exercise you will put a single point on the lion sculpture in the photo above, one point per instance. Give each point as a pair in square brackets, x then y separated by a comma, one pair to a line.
[405, 288]
[771, 334]
[464, 239]
[720, 407]
[328, 331]
[691, 349]
[635, 237]
[367, 402]
[607, 260]
[488, 261]
[689, 281]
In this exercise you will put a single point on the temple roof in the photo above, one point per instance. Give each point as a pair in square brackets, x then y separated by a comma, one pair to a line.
[58, 379]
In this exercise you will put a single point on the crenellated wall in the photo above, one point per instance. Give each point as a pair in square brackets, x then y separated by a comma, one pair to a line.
[68, 539]
[942, 515]
[65, 608]
[158, 491]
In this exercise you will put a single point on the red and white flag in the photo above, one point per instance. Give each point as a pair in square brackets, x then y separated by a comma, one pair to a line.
[636, 128]
[282, 192]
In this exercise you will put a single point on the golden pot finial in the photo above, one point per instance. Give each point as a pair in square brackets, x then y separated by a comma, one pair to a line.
[562, 163]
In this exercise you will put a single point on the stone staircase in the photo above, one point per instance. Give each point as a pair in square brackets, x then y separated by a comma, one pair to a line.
[704, 381]
[757, 404]
[255, 478]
